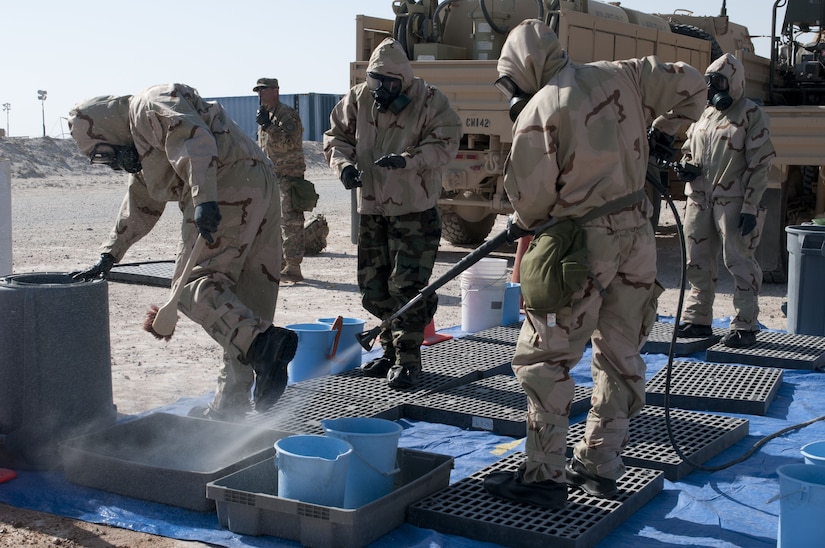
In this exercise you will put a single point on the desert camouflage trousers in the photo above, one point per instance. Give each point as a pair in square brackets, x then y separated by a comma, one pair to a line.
[292, 224]
[711, 229]
[615, 313]
[395, 261]
[234, 288]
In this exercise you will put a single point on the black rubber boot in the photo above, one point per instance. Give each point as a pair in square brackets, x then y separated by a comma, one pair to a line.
[404, 376]
[379, 367]
[592, 484]
[511, 486]
[739, 339]
[269, 355]
[694, 331]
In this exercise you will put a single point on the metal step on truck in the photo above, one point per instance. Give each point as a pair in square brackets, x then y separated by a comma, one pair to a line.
[454, 44]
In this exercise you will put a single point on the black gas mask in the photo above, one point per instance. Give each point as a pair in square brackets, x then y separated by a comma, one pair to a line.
[718, 90]
[518, 98]
[117, 157]
[386, 90]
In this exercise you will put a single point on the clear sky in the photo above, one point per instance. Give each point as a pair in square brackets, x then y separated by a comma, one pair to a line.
[77, 49]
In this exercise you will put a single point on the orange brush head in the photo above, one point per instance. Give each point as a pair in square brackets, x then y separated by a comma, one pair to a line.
[150, 319]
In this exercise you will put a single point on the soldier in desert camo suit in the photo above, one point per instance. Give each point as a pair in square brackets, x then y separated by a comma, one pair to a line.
[580, 150]
[179, 148]
[389, 138]
[731, 146]
[280, 135]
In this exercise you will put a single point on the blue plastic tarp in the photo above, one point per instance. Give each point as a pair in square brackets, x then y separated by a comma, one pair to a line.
[727, 508]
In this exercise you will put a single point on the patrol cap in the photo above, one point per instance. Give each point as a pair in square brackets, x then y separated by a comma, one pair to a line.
[265, 83]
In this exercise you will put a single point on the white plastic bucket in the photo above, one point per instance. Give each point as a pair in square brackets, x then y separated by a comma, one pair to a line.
[373, 467]
[313, 469]
[801, 506]
[482, 294]
[814, 452]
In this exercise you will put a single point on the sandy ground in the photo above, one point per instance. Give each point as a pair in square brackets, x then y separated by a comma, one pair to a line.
[63, 208]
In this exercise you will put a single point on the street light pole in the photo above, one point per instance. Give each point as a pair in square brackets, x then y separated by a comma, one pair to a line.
[41, 95]
[7, 108]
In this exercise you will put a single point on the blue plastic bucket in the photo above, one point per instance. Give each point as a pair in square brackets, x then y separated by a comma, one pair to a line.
[349, 349]
[801, 505]
[313, 469]
[814, 452]
[316, 348]
[511, 309]
[373, 466]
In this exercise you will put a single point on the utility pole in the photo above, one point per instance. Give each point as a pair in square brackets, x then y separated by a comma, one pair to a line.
[41, 95]
[7, 108]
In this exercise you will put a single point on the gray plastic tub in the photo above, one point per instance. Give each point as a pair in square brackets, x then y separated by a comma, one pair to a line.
[165, 458]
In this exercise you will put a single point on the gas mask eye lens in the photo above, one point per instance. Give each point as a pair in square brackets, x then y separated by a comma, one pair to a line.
[717, 81]
[104, 154]
[507, 87]
[389, 84]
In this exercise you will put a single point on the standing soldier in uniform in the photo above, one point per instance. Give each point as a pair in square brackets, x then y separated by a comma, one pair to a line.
[731, 145]
[281, 137]
[580, 151]
[177, 147]
[389, 138]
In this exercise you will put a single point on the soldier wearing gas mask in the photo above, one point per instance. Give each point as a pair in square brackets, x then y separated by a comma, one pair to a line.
[731, 147]
[389, 138]
[580, 151]
[179, 148]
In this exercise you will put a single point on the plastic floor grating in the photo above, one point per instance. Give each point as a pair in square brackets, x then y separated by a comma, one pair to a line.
[702, 386]
[497, 404]
[444, 365]
[301, 411]
[772, 349]
[658, 342]
[154, 273]
[465, 509]
[701, 436]
[505, 334]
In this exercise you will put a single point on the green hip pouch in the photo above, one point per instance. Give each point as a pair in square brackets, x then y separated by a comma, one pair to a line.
[554, 267]
[304, 197]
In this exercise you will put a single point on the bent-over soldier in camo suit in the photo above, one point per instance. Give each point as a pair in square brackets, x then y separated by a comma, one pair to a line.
[580, 151]
[731, 144]
[390, 137]
[281, 137]
[177, 147]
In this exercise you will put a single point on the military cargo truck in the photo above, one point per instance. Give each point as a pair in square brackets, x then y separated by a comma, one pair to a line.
[454, 44]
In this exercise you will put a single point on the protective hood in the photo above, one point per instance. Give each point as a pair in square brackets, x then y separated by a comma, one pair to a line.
[731, 68]
[102, 119]
[531, 56]
[390, 59]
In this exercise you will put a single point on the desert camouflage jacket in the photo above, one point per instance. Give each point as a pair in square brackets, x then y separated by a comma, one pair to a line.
[581, 141]
[427, 133]
[185, 143]
[733, 147]
[283, 141]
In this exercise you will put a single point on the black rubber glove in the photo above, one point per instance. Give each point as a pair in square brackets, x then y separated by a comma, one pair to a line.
[687, 172]
[661, 145]
[514, 231]
[351, 177]
[747, 222]
[392, 161]
[207, 218]
[262, 117]
[99, 270]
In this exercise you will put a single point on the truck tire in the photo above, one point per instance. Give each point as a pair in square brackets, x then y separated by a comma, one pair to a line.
[696, 32]
[459, 231]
